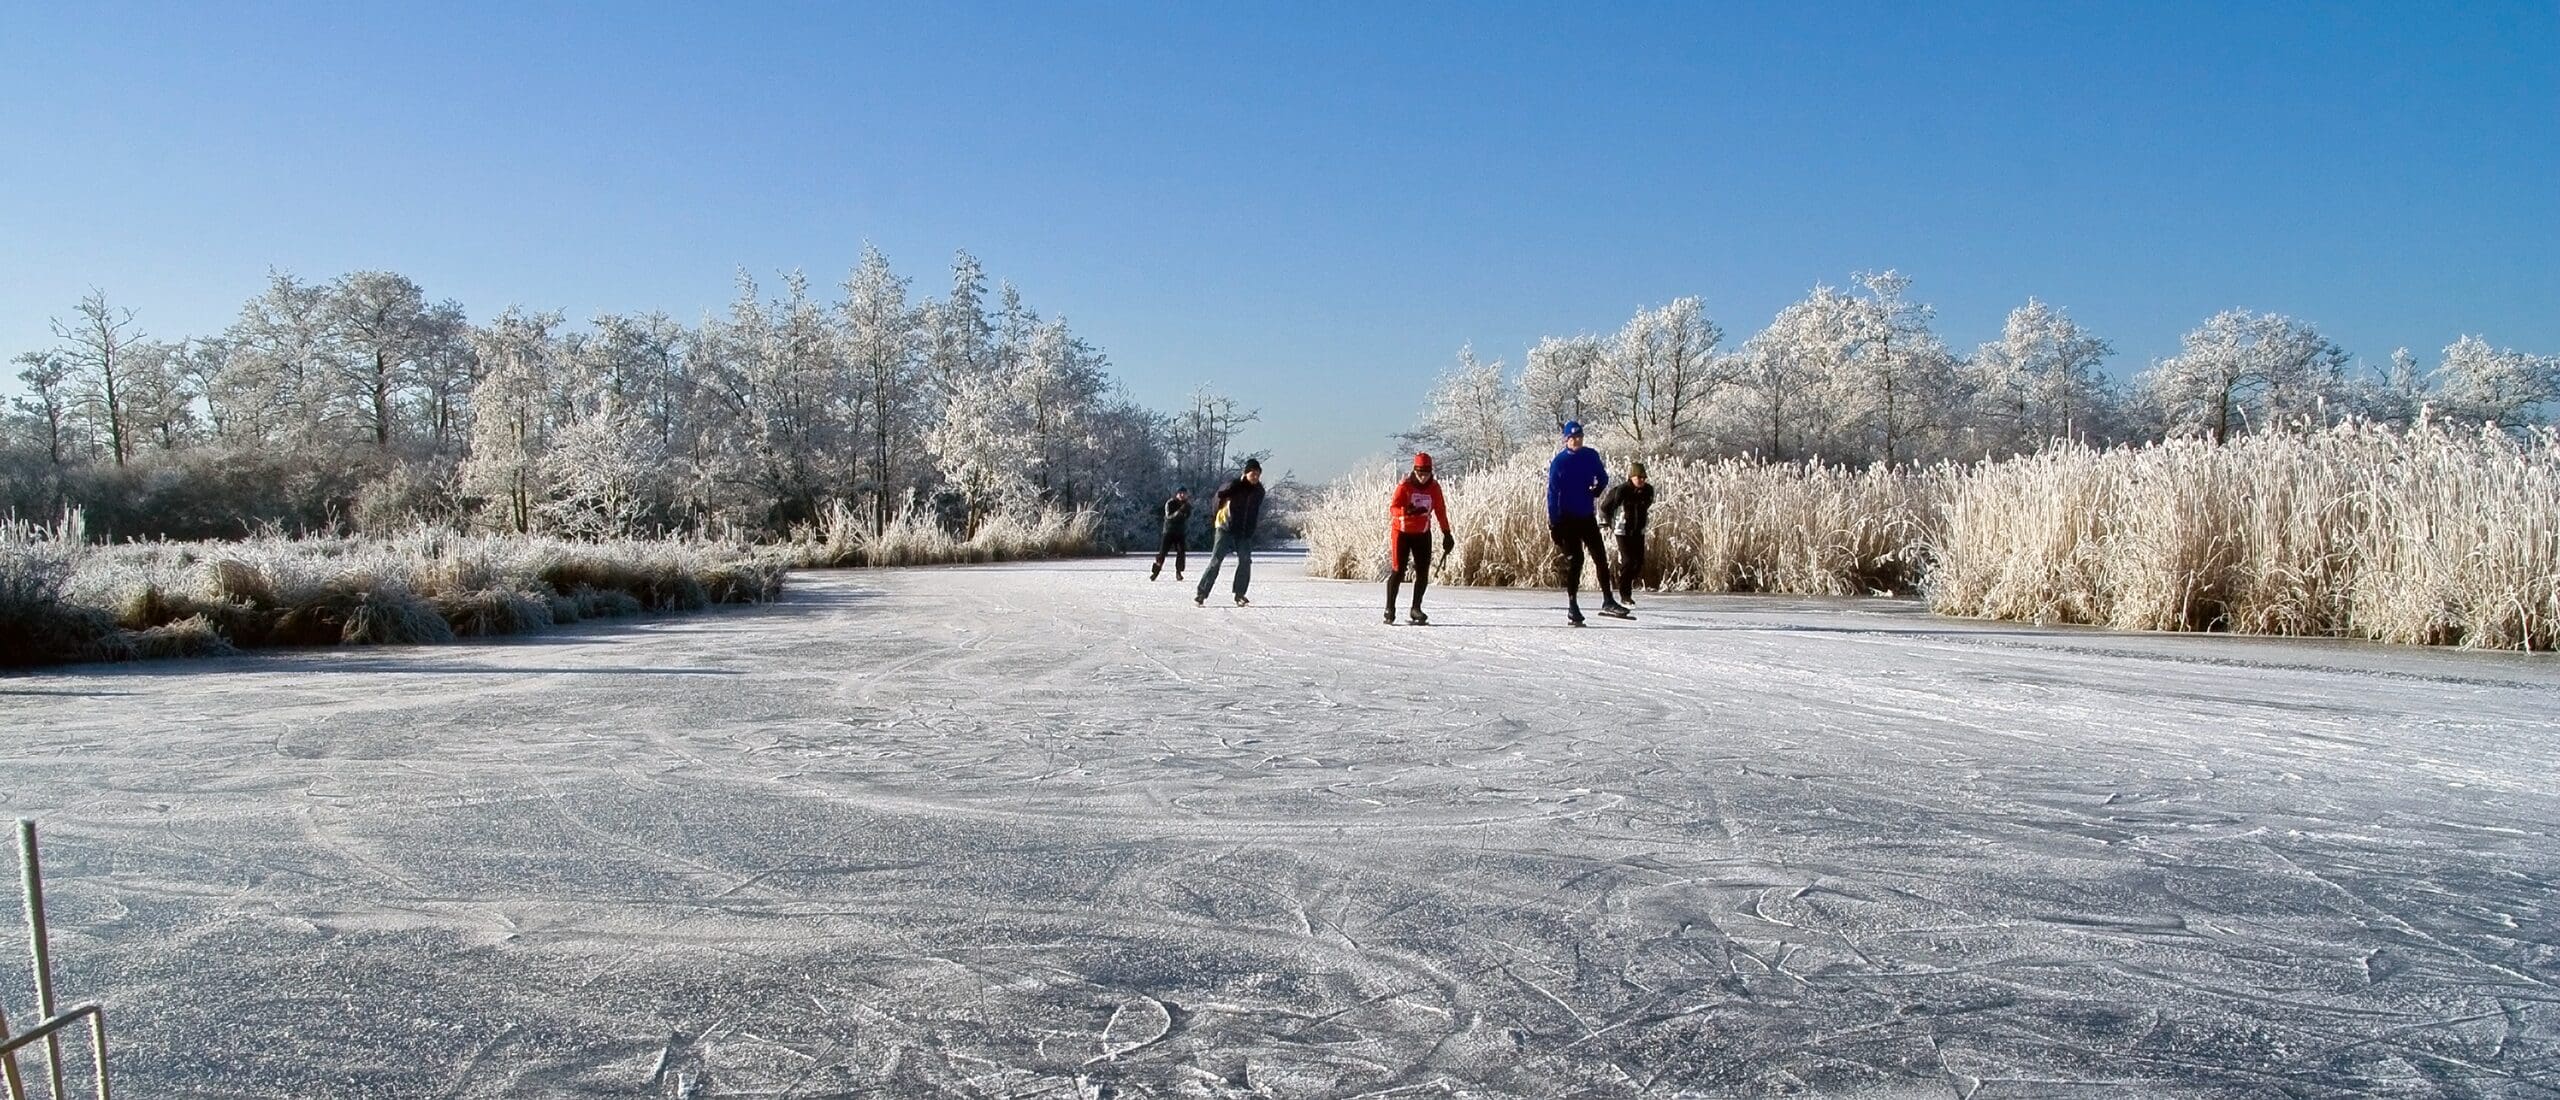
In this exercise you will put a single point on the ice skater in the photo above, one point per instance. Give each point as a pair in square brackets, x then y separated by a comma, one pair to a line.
[1624, 509]
[1239, 512]
[1409, 512]
[1177, 533]
[1575, 479]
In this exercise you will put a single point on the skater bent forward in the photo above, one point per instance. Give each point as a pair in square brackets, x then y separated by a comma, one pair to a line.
[1625, 508]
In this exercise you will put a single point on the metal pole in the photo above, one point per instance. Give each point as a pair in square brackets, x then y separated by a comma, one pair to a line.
[32, 874]
[9, 1062]
[98, 1043]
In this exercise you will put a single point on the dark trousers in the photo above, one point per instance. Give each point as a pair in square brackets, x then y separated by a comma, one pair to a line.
[1412, 551]
[1630, 562]
[1172, 543]
[1576, 536]
[1219, 548]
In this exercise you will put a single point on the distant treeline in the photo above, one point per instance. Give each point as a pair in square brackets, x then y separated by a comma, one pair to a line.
[360, 405]
[1860, 376]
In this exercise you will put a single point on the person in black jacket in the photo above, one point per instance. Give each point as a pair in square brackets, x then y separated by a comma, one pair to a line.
[1239, 512]
[1625, 508]
[1177, 534]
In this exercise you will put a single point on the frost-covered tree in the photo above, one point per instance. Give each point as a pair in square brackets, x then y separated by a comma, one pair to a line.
[47, 402]
[1782, 368]
[98, 345]
[2478, 384]
[283, 355]
[1651, 389]
[1894, 395]
[1555, 382]
[513, 421]
[884, 342]
[387, 330]
[774, 434]
[446, 371]
[1471, 421]
[159, 406]
[1059, 381]
[960, 338]
[357, 400]
[646, 367]
[603, 475]
[2042, 381]
[2242, 370]
[1204, 435]
[983, 449]
[199, 366]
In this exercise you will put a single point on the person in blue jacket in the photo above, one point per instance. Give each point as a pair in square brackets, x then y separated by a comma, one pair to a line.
[1574, 480]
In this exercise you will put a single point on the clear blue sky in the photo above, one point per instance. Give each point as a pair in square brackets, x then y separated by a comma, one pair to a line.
[1308, 206]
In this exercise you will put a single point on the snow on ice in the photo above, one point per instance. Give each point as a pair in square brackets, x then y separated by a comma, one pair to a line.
[1050, 830]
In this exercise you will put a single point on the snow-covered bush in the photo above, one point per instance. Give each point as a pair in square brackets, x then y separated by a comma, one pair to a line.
[918, 536]
[39, 623]
[177, 598]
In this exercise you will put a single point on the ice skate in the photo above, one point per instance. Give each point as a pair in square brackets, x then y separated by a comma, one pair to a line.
[1417, 618]
[1241, 601]
[1391, 617]
[1612, 609]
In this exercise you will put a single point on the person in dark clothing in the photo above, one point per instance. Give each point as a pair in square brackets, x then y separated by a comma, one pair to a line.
[1409, 512]
[1239, 513]
[1624, 509]
[1575, 478]
[1177, 533]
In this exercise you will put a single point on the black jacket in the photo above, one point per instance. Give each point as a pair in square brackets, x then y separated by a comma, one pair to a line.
[1177, 514]
[1242, 501]
[1626, 497]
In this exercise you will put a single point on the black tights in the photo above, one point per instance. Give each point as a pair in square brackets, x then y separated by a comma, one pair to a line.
[1576, 536]
[1413, 550]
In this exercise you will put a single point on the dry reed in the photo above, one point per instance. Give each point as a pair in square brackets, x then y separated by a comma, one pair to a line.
[2428, 536]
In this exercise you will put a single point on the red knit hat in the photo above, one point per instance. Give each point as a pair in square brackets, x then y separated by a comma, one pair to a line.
[1422, 460]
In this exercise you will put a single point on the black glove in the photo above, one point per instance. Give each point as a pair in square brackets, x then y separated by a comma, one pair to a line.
[1448, 543]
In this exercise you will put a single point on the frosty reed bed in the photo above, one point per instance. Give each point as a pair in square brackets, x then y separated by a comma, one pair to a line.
[1718, 526]
[64, 600]
[2429, 536]
[918, 537]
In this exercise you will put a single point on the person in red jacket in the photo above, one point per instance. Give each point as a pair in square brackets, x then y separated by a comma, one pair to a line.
[1409, 513]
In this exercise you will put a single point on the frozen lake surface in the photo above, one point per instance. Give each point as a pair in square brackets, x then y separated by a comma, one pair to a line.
[1050, 830]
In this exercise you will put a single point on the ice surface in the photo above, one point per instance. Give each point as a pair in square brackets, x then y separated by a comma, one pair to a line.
[1050, 830]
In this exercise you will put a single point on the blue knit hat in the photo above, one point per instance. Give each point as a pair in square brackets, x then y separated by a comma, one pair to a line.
[1572, 428]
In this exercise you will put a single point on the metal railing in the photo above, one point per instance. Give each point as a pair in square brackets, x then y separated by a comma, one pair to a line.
[49, 1023]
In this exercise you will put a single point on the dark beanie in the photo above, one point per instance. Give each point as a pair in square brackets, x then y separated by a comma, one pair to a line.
[1253, 465]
